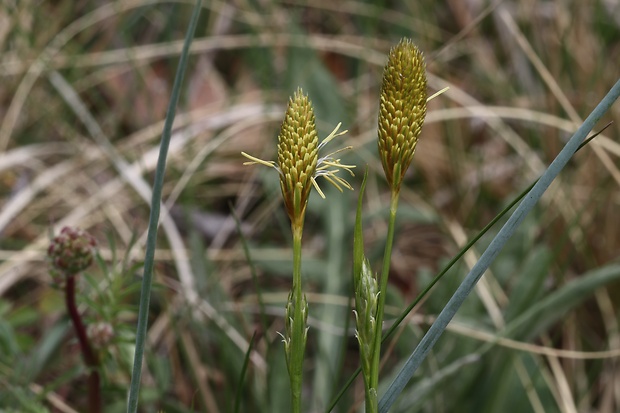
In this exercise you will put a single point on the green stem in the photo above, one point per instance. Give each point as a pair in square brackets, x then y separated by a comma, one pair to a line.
[372, 401]
[298, 342]
[376, 356]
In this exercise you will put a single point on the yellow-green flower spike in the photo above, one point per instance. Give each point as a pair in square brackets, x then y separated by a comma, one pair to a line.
[402, 110]
[299, 163]
[298, 147]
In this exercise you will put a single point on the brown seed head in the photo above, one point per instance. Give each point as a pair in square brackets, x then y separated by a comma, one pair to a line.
[70, 252]
[402, 110]
[297, 155]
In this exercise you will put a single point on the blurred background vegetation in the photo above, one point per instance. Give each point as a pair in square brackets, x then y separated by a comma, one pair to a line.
[83, 92]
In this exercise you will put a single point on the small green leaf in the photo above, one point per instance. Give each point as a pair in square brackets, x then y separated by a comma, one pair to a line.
[358, 236]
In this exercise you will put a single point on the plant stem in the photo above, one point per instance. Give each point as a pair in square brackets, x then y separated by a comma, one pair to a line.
[298, 342]
[374, 376]
[90, 358]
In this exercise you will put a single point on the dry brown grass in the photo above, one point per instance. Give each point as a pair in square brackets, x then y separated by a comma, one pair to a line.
[84, 87]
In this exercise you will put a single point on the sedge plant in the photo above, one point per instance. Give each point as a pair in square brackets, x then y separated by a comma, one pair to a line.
[401, 115]
[299, 164]
[402, 112]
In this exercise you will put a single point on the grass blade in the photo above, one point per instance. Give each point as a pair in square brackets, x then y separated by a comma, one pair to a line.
[151, 241]
[552, 308]
[244, 369]
[358, 235]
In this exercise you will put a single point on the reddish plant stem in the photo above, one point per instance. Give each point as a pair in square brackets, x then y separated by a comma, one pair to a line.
[90, 358]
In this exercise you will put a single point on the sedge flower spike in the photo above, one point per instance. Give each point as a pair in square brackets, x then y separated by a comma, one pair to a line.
[299, 161]
[298, 148]
[402, 110]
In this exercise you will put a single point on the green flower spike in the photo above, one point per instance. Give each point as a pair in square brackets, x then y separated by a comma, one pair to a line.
[402, 110]
[289, 325]
[299, 163]
[366, 301]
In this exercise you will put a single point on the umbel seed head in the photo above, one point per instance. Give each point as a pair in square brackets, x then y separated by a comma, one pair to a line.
[297, 155]
[402, 110]
[70, 252]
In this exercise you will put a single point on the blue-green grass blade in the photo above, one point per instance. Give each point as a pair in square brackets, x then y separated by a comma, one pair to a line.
[151, 241]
